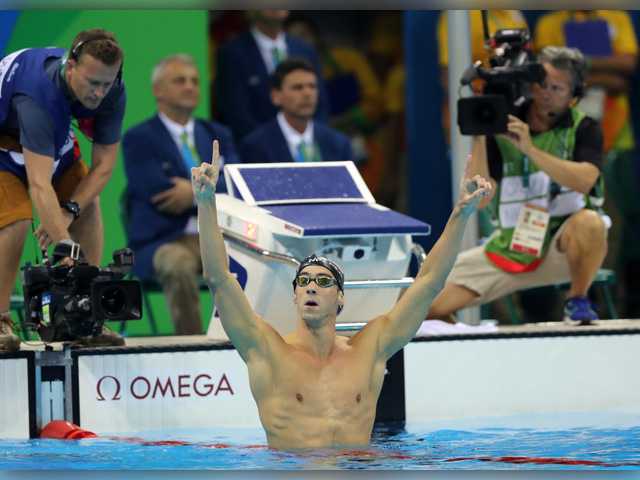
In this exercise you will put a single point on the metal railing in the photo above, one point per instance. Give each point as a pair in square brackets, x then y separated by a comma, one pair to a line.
[416, 251]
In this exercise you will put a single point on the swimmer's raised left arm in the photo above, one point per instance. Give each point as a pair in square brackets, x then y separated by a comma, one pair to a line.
[395, 329]
[245, 329]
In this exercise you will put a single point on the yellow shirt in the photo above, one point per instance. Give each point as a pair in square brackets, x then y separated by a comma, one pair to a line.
[616, 121]
[549, 29]
[497, 19]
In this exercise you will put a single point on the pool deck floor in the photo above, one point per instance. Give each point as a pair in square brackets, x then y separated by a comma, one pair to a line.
[611, 327]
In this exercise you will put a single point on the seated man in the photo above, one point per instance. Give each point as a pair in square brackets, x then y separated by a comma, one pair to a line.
[158, 156]
[548, 194]
[244, 64]
[293, 135]
[313, 388]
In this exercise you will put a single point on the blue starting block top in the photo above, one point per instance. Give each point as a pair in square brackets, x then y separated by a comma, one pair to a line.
[318, 199]
[287, 183]
[336, 219]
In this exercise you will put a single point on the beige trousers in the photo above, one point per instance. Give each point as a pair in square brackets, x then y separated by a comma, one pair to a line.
[178, 268]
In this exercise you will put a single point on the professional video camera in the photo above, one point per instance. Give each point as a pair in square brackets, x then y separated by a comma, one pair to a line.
[65, 303]
[507, 86]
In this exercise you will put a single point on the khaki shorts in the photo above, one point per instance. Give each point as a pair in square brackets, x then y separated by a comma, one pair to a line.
[15, 203]
[476, 272]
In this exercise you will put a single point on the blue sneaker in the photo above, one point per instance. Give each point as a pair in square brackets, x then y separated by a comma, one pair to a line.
[579, 311]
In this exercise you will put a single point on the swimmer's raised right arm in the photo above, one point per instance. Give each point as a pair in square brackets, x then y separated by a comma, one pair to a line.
[245, 329]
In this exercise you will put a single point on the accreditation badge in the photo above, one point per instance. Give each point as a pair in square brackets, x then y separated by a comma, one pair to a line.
[531, 230]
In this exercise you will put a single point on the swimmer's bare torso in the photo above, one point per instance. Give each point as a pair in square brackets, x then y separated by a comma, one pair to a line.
[315, 388]
[306, 401]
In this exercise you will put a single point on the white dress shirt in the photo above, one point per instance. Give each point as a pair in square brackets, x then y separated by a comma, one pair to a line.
[266, 46]
[176, 130]
[293, 137]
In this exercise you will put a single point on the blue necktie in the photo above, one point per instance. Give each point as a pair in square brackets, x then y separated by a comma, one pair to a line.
[301, 154]
[277, 56]
[188, 155]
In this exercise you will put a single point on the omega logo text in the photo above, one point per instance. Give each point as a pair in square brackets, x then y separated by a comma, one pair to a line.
[141, 387]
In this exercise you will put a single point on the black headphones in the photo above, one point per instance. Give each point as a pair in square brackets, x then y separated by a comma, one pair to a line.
[578, 69]
[77, 51]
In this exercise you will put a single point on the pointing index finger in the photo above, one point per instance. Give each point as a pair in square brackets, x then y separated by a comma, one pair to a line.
[215, 157]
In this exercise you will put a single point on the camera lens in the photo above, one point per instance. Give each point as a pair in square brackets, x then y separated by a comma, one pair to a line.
[113, 301]
[358, 254]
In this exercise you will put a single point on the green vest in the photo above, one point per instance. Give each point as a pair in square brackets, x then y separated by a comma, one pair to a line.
[523, 182]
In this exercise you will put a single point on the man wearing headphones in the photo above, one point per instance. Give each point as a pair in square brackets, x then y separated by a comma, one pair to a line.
[41, 91]
[546, 172]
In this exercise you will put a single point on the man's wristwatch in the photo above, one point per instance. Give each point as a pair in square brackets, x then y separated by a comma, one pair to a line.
[72, 207]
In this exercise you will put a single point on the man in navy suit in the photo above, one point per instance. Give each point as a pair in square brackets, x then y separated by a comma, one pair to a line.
[158, 156]
[293, 136]
[244, 66]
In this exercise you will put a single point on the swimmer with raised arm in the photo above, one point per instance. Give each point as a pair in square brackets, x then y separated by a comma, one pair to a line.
[314, 388]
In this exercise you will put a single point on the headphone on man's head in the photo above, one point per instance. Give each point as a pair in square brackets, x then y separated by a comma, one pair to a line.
[576, 60]
[579, 67]
[77, 51]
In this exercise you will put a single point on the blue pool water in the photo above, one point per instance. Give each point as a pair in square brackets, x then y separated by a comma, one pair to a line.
[394, 447]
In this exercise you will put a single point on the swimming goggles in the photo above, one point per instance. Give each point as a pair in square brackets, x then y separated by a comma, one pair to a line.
[323, 281]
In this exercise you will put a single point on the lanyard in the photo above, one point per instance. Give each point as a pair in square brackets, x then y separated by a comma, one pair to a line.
[525, 161]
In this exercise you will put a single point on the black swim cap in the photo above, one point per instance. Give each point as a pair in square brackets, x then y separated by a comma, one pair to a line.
[333, 267]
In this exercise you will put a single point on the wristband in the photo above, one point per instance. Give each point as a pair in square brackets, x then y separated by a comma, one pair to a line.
[67, 248]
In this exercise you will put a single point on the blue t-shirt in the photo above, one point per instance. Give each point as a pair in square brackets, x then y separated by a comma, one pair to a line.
[34, 126]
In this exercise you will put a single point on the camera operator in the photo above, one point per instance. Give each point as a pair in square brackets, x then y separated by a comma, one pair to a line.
[42, 89]
[546, 169]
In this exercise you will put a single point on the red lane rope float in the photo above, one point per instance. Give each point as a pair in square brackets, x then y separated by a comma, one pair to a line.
[542, 461]
[63, 430]
[372, 454]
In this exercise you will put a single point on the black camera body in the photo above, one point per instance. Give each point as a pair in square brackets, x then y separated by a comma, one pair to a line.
[65, 303]
[507, 86]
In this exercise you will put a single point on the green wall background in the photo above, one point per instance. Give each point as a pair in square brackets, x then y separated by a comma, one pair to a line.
[146, 36]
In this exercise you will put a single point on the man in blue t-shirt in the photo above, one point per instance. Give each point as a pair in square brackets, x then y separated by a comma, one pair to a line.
[42, 90]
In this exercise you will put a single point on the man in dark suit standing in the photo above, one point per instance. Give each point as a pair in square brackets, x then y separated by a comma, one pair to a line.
[244, 65]
[293, 136]
[158, 156]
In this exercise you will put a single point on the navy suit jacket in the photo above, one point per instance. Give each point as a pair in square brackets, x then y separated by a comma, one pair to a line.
[243, 88]
[267, 144]
[151, 158]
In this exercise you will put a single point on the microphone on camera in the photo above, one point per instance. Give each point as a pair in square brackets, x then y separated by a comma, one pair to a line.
[470, 73]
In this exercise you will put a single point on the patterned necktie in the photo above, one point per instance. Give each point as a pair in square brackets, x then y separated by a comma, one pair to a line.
[302, 154]
[277, 56]
[189, 156]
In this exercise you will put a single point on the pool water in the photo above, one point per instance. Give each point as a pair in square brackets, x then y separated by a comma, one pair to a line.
[393, 447]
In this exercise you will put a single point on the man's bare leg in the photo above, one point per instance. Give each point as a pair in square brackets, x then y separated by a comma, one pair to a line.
[88, 231]
[12, 239]
[451, 299]
[585, 243]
